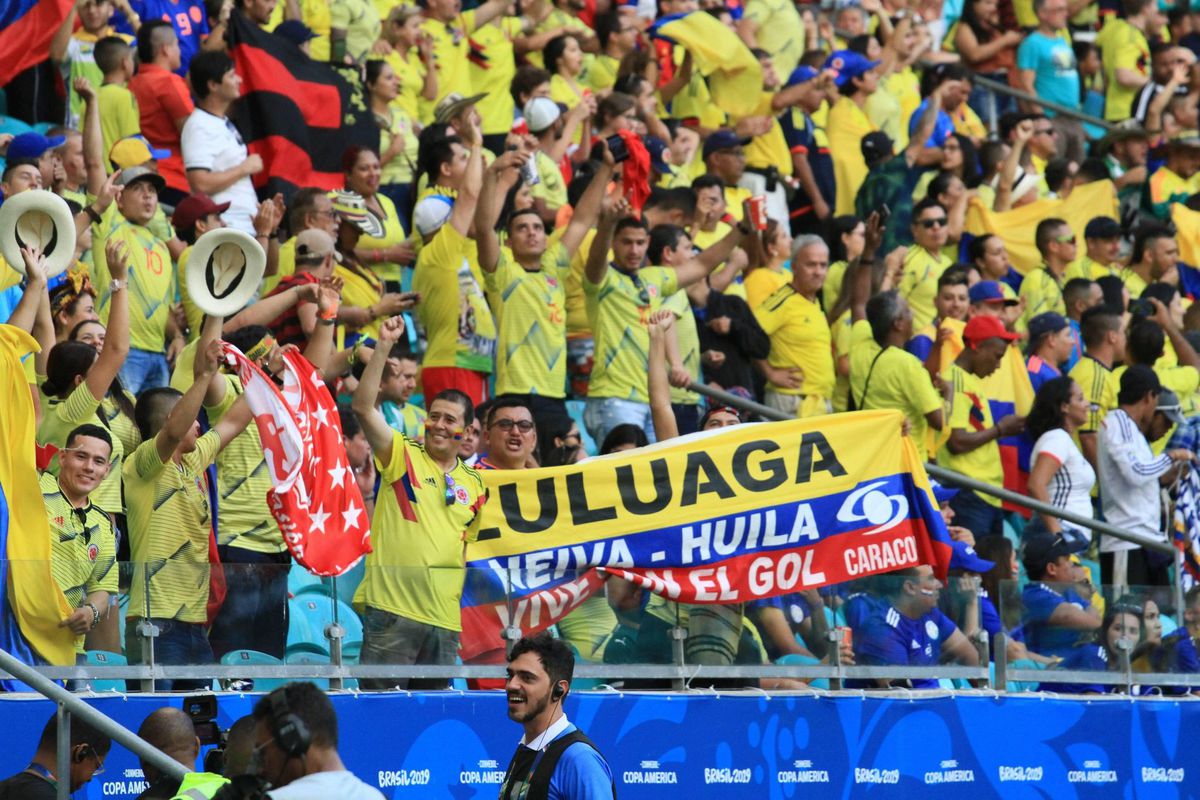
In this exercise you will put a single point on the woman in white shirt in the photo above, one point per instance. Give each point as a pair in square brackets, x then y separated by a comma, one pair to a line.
[1059, 474]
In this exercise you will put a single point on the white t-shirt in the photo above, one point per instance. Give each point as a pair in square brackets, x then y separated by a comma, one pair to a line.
[327, 786]
[213, 143]
[1071, 487]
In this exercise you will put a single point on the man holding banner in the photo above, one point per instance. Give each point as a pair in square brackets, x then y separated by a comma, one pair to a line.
[427, 508]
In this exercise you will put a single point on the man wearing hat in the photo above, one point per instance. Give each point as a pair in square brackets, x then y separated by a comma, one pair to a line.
[1102, 236]
[315, 257]
[1042, 288]
[972, 448]
[1056, 616]
[553, 130]
[1129, 474]
[297, 33]
[460, 113]
[151, 279]
[893, 177]
[35, 147]
[857, 79]
[725, 157]
[1172, 182]
[1050, 344]
[195, 216]
[135, 151]
[214, 155]
[809, 145]
[991, 299]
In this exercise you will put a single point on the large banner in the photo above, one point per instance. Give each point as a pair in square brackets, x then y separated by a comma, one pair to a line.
[724, 516]
[731, 746]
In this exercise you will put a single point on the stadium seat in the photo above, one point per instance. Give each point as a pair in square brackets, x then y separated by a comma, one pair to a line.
[347, 584]
[309, 658]
[315, 609]
[299, 578]
[255, 658]
[575, 410]
[797, 660]
[103, 658]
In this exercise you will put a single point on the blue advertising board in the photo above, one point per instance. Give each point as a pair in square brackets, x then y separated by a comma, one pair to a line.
[456, 745]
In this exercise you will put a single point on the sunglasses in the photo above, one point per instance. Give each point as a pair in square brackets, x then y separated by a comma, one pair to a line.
[1046, 132]
[937, 222]
[643, 292]
[506, 425]
[1065, 239]
[449, 489]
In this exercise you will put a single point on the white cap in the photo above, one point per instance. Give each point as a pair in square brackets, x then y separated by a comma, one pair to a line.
[540, 113]
[431, 213]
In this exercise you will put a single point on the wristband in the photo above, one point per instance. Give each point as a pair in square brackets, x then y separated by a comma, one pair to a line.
[92, 213]
[330, 314]
[325, 321]
[95, 613]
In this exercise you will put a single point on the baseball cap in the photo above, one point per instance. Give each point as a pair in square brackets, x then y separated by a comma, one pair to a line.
[131, 175]
[432, 212]
[32, 144]
[1044, 323]
[801, 74]
[1102, 228]
[195, 207]
[133, 151]
[963, 556]
[294, 31]
[1041, 549]
[877, 146]
[716, 409]
[1188, 138]
[454, 104]
[943, 494]
[981, 328]
[990, 292]
[540, 113]
[723, 139]
[848, 64]
[1168, 406]
[656, 147]
[313, 244]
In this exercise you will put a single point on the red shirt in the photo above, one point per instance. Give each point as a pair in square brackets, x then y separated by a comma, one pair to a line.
[163, 98]
[286, 327]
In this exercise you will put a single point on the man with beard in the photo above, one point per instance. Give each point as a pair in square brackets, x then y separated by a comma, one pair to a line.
[554, 758]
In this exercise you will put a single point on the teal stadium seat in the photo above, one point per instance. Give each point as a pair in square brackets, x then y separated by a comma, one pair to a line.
[347, 584]
[299, 578]
[255, 658]
[797, 660]
[311, 612]
[575, 410]
[103, 658]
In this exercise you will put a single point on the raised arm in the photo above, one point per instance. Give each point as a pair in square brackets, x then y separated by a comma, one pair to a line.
[697, 268]
[662, 324]
[1012, 164]
[468, 195]
[93, 137]
[210, 331]
[613, 209]
[498, 179]
[25, 314]
[916, 145]
[183, 415]
[587, 211]
[864, 268]
[370, 418]
[320, 345]
[116, 339]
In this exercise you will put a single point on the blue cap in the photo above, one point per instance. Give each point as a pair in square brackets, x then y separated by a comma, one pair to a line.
[32, 145]
[848, 64]
[656, 147]
[965, 557]
[801, 74]
[989, 292]
[294, 31]
[1044, 323]
[723, 139]
[943, 494]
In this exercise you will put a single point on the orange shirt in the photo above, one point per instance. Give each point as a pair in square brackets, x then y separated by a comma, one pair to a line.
[163, 98]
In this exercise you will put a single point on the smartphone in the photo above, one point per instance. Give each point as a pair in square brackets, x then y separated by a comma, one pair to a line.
[618, 148]
[884, 213]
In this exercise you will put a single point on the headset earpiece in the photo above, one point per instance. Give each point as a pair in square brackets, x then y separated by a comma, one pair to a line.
[558, 693]
[291, 734]
[81, 754]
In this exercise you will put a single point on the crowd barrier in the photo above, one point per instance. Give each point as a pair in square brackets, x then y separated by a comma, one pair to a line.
[734, 745]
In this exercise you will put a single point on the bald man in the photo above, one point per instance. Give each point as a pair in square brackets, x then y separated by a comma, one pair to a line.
[171, 731]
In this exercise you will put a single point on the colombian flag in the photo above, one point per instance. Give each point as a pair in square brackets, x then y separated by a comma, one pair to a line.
[1017, 227]
[1187, 225]
[32, 605]
[1009, 391]
[26, 28]
[734, 74]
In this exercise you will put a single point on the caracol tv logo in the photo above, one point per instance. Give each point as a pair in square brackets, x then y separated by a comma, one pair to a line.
[488, 772]
[650, 772]
[868, 503]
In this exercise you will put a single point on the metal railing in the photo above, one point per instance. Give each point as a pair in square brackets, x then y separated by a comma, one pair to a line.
[1058, 108]
[69, 704]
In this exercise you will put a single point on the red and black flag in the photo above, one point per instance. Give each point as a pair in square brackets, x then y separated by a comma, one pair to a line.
[299, 115]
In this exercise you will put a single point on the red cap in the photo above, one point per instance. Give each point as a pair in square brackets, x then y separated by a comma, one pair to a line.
[195, 207]
[981, 328]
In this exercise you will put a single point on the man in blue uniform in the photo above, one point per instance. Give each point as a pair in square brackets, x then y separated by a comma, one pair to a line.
[554, 760]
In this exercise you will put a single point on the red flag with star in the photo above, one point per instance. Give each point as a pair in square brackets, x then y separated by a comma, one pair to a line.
[314, 497]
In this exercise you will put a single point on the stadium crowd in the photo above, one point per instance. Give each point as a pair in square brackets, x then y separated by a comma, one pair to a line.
[559, 234]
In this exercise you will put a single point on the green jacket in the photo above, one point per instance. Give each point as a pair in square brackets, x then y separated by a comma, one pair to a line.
[200, 786]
